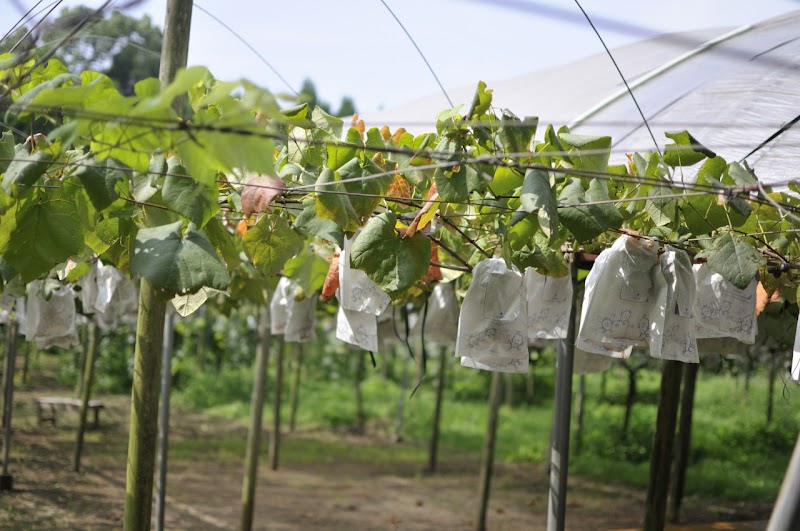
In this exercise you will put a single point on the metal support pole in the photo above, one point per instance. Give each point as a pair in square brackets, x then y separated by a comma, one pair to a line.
[786, 513]
[163, 419]
[562, 409]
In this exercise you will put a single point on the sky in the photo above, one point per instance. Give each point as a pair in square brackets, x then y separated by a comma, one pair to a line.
[356, 48]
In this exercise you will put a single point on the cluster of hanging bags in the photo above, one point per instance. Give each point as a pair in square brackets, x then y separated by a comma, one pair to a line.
[636, 298]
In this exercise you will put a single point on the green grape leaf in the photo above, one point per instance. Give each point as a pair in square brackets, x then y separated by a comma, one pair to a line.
[686, 151]
[6, 150]
[587, 221]
[270, 243]
[222, 241]
[19, 109]
[339, 153]
[191, 199]
[734, 258]
[102, 181]
[538, 255]
[506, 180]
[309, 223]
[394, 263]
[38, 235]
[537, 196]
[521, 233]
[191, 302]
[308, 270]
[175, 263]
[517, 135]
[145, 185]
[481, 101]
[26, 168]
[588, 152]
[366, 194]
[453, 186]
[662, 211]
[333, 203]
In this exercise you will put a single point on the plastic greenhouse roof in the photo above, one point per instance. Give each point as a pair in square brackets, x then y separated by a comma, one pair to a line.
[732, 89]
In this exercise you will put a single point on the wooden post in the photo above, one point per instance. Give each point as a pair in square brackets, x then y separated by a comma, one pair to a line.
[508, 389]
[295, 391]
[401, 404]
[361, 368]
[773, 372]
[663, 440]
[275, 435]
[163, 419]
[144, 409]
[487, 458]
[30, 346]
[7, 479]
[81, 369]
[437, 410]
[202, 338]
[250, 479]
[684, 440]
[150, 324]
[86, 393]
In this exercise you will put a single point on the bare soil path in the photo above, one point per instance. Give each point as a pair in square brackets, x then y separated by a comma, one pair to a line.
[315, 488]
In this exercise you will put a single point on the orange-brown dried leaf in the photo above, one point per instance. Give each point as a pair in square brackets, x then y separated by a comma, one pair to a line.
[434, 271]
[426, 213]
[241, 228]
[399, 188]
[259, 191]
[396, 136]
[331, 283]
[386, 133]
[762, 298]
[361, 127]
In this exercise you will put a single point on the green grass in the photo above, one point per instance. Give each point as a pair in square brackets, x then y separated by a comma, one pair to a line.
[735, 455]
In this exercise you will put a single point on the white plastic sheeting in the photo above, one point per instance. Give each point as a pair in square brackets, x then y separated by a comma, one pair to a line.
[731, 96]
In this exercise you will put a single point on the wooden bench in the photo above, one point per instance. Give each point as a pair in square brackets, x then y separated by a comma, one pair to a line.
[46, 408]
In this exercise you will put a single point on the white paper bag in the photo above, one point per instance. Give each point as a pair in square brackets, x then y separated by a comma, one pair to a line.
[88, 293]
[492, 326]
[618, 297]
[50, 322]
[357, 328]
[589, 362]
[356, 291]
[441, 317]
[672, 329]
[723, 310]
[108, 279]
[279, 306]
[549, 305]
[301, 319]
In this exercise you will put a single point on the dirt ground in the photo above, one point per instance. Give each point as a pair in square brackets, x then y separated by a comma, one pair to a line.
[203, 493]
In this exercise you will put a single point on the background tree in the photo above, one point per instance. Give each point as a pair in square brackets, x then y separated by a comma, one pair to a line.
[308, 94]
